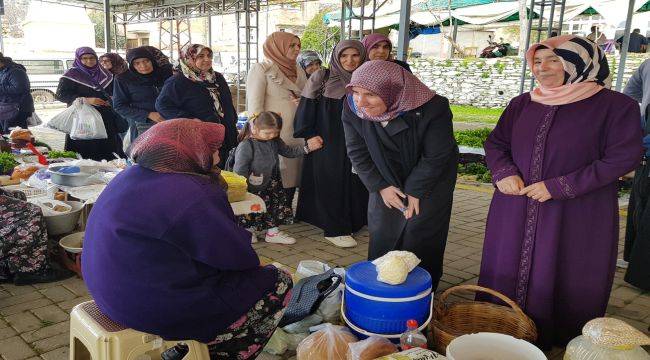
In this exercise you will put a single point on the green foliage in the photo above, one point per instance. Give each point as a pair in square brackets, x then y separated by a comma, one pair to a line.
[480, 64]
[463, 113]
[97, 18]
[465, 63]
[448, 63]
[480, 171]
[7, 162]
[62, 154]
[316, 33]
[500, 67]
[485, 74]
[472, 138]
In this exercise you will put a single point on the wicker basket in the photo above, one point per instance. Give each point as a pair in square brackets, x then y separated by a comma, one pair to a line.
[451, 320]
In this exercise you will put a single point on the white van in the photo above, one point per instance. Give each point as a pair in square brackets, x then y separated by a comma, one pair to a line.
[44, 75]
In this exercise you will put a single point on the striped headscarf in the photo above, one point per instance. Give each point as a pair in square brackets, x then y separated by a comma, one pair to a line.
[586, 71]
[400, 90]
[182, 146]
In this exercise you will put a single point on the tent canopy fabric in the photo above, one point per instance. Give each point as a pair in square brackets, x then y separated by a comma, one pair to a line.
[484, 12]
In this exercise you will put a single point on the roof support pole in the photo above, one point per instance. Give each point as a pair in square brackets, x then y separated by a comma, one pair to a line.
[560, 23]
[210, 31]
[404, 29]
[550, 19]
[624, 46]
[343, 7]
[526, 45]
[107, 25]
[542, 5]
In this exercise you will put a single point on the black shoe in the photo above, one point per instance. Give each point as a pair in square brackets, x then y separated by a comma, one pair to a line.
[50, 275]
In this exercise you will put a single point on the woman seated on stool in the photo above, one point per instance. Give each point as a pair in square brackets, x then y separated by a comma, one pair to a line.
[164, 255]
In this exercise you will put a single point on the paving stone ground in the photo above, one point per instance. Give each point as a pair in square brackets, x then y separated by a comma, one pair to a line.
[34, 320]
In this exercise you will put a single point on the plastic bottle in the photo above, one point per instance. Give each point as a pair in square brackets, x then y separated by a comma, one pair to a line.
[412, 337]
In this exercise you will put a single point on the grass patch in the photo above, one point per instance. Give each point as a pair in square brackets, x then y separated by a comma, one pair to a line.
[477, 171]
[472, 138]
[464, 113]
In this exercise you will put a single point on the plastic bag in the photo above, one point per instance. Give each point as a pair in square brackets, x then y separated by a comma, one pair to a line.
[394, 267]
[34, 120]
[330, 343]
[278, 343]
[52, 207]
[126, 142]
[63, 120]
[371, 348]
[608, 339]
[87, 124]
[303, 325]
[330, 308]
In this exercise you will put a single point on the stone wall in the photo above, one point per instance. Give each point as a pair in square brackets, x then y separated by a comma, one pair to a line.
[488, 82]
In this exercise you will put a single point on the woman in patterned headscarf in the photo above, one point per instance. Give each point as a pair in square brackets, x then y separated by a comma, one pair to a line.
[310, 62]
[400, 141]
[556, 154]
[379, 47]
[197, 91]
[113, 63]
[88, 80]
[331, 196]
[172, 237]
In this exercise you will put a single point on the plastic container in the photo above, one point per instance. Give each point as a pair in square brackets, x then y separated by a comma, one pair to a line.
[64, 223]
[371, 307]
[412, 337]
[492, 346]
[73, 243]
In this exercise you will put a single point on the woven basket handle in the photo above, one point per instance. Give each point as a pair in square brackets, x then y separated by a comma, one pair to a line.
[477, 288]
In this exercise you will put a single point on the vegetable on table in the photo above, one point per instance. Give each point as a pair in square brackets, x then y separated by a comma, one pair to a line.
[7, 163]
[55, 154]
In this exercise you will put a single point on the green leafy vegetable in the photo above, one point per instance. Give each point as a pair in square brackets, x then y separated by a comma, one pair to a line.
[55, 154]
[7, 163]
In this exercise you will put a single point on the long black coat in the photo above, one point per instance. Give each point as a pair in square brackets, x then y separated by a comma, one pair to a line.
[98, 149]
[417, 153]
[134, 100]
[183, 98]
[15, 89]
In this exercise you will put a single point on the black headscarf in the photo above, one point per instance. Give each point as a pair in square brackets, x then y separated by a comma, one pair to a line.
[156, 78]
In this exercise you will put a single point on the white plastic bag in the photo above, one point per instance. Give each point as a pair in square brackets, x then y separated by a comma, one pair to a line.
[63, 120]
[278, 343]
[303, 325]
[126, 142]
[87, 124]
[52, 207]
[330, 343]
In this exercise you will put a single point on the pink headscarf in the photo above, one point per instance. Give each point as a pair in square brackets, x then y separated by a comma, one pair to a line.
[179, 146]
[585, 70]
[400, 90]
[373, 39]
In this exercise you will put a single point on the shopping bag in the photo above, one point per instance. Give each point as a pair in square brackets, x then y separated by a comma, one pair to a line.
[87, 124]
[63, 120]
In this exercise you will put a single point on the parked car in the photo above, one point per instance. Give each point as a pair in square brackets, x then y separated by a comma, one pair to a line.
[44, 75]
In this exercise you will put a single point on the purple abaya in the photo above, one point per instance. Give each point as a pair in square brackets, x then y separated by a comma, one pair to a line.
[557, 258]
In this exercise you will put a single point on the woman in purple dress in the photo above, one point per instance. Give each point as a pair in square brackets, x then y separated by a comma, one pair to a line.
[163, 253]
[555, 157]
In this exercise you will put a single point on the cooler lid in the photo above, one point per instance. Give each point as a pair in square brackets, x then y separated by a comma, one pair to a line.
[362, 277]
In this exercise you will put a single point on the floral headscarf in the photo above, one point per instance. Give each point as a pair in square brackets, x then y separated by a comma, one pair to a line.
[188, 57]
[400, 90]
[179, 146]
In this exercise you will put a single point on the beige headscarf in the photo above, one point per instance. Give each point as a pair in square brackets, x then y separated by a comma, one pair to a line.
[276, 48]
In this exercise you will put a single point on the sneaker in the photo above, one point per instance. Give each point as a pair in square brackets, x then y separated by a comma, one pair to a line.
[279, 238]
[342, 241]
[620, 263]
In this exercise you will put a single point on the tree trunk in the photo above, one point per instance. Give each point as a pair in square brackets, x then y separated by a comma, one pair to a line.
[523, 26]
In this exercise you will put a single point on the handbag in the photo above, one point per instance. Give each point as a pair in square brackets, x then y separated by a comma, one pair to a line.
[307, 295]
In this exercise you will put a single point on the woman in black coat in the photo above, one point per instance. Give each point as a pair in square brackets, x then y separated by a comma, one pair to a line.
[14, 94]
[400, 141]
[198, 92]
[88, 80]
[136, 90]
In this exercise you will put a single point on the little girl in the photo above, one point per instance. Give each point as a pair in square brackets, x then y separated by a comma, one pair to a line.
[256, 158]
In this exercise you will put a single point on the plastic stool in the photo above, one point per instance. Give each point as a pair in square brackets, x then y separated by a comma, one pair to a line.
[93, 336]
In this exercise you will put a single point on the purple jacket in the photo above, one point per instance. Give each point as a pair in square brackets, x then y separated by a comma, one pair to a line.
[164, 255]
